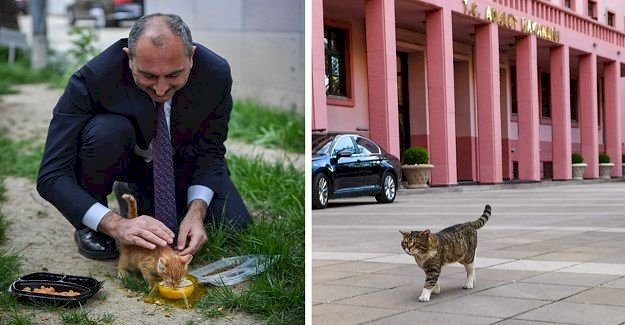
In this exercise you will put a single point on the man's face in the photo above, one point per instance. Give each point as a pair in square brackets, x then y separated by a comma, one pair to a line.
[160, 72]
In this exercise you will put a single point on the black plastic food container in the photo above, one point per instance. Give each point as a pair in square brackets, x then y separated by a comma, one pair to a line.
[86, 286]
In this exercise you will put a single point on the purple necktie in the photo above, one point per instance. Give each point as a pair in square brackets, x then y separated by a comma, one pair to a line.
[164, 184]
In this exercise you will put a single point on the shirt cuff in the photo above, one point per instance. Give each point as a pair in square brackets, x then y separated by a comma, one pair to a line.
[94, 215]
[199, 192]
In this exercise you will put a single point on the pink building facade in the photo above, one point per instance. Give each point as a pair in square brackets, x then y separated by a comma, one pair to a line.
[496, 90]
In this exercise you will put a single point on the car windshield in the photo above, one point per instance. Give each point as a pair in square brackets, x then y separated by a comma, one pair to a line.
[321, 144]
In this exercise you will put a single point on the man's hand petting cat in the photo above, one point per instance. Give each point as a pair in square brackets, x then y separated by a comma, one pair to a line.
[143, 231]
[192, 234]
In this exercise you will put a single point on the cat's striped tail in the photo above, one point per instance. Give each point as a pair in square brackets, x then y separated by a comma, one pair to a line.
[477, 224]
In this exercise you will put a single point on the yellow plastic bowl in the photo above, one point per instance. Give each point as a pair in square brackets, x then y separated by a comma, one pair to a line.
[176, 293]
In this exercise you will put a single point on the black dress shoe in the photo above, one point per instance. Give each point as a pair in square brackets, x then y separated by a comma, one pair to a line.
[95, 245]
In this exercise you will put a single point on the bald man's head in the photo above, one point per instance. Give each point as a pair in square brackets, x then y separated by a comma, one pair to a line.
[159, 29]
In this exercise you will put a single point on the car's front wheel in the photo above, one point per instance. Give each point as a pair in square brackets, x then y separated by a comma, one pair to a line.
[389, 189]
[320, 192]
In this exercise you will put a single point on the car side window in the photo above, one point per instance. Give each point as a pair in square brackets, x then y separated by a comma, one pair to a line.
[344, 143]
[366, 147]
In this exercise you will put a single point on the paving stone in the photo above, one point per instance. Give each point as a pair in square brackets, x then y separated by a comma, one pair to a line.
[406, 297]
[322, 276]
[490, 274]
[530, 265]
[565, 278]
[329, 314]
[325, 293]
[600, 296]
[359, 267]
[620, 283]
[479, 305]
[568, 257]
[574, 313]
[371, 280]
[525, 322]
[533, 291]
[597, 268]
[544, 241]
[320, 263]
[422, 317]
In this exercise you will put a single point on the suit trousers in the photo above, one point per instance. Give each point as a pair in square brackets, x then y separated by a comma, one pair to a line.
[107, 154]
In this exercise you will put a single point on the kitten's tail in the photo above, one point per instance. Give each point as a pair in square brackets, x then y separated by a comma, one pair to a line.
[132, 206]
[477, 224]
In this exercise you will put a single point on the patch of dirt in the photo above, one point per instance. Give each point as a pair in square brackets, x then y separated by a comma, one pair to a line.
[44, 238]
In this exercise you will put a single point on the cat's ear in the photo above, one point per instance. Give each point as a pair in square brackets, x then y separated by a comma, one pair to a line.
[405, 233]
[425, 232]
[186, 259]
[160, 266]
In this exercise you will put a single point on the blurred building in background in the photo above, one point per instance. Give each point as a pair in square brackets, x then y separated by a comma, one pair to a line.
[263, 40]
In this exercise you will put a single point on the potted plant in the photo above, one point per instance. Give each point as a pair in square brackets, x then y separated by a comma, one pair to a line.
[578, 165]
[605, 166]
[416, 167]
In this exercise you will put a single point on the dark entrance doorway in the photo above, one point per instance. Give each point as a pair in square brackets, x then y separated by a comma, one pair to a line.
[402, 101]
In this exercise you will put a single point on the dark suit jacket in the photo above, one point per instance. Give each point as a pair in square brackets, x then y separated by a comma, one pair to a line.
[199, 124]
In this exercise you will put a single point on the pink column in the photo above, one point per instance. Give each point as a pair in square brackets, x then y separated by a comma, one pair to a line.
[527, 94]
[488, 114]
[560, 112]
[319, 105]
[441, 110]
[382, 73]
[613, 115]
[588, 121]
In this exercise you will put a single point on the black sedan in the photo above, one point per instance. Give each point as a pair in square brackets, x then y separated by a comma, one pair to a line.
[348, 165]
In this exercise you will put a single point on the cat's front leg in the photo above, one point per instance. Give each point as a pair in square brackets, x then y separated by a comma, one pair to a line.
[470, 276]
[425, 295]
[431, 285]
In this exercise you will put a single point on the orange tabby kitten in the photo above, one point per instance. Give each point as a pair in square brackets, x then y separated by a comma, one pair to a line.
[161, 263]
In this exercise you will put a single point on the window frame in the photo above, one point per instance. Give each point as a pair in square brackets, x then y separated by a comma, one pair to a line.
[348, 99]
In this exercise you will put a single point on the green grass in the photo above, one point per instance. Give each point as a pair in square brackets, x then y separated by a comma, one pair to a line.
[278, 293]
[258, 124]
[81, 317]
[21, 73]
[135, 283]
[19, 157]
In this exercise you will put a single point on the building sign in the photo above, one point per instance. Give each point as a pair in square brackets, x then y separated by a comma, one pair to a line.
[511, 21]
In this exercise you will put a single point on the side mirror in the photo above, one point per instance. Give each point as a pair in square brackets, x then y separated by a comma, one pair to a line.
[343, 153]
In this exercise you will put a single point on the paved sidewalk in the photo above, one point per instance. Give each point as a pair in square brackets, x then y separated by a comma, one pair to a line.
[551, 253]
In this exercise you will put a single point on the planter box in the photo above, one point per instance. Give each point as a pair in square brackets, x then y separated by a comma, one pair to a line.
[578, 171]
[418, 176]
[605, 170]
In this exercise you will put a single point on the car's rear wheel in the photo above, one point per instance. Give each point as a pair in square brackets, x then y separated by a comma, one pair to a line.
[389, 189]
[321, 191]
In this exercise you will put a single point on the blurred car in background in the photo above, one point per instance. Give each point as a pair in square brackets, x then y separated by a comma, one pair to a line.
[105, 13]
[349, 165]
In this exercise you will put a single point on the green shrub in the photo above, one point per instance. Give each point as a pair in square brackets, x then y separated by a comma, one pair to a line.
[604, 158]
[416, 155]
[577, 158]
[623, 158]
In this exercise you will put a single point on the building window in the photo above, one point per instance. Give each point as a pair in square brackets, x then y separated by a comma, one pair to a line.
[545, 95]
[573, 99]
[610, 18]
[592, 9]
[336, 57]
[567, 3]
[513, 95]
